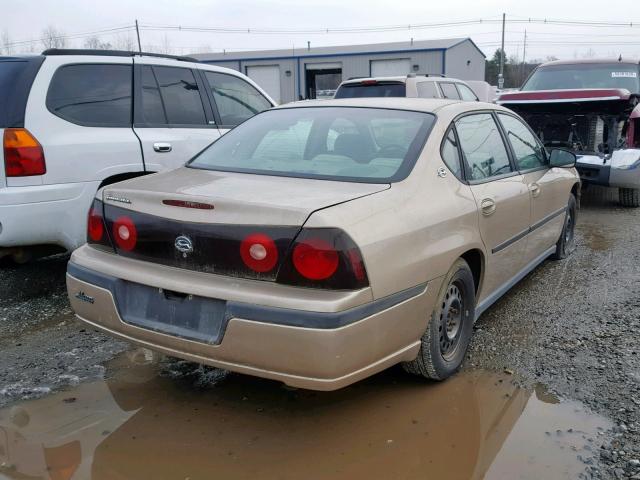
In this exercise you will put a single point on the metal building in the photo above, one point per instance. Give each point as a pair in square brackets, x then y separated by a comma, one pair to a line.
[289, 75]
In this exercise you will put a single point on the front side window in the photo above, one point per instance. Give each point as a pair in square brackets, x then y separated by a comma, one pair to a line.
[484, 151]
[338, 143]
[180, 96]
[449, 91]
[466, 93]
[152, 107]
[427, 90]
[528, 152]
[236, 99]
[92, 94]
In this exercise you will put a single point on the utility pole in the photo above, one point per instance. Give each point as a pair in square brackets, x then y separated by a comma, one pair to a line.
[501, 74]
[524, 56]
[138, 34]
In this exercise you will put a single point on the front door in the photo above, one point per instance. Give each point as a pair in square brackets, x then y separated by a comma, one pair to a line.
[546, 186]
[173, 118]
[501, 196]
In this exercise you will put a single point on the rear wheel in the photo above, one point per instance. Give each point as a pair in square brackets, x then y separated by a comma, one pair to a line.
[567, 243]
[445, 342]
[629, 197]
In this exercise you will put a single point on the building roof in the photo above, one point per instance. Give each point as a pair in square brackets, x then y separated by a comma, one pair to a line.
[443, 44]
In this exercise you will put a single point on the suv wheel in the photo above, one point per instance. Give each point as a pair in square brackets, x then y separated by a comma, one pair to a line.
[629, 197]
[445, 342]
[567, 243]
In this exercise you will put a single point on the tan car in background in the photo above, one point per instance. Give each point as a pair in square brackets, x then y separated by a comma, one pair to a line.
[321, 242]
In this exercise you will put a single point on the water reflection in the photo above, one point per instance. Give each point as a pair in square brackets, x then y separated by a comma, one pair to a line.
[140, 425]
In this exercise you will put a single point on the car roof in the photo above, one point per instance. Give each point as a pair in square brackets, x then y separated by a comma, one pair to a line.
[427, 105]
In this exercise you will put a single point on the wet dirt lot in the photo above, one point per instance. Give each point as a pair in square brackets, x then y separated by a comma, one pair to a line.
[550, 389]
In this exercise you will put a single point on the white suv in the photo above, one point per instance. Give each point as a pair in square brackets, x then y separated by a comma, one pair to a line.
[413, 86]
[72, 121]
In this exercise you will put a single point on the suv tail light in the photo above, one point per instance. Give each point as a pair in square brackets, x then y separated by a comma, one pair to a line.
[96, 226]
[324, 258]
[23, 155]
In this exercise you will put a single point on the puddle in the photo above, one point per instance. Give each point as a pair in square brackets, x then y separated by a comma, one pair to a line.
[139, 424]
[595, 239]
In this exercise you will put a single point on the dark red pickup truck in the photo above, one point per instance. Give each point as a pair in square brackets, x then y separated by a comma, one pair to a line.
[590, 107]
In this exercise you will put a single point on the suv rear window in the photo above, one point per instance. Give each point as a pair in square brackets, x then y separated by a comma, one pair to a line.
[16, 78]
[94, 95]
[379, 89]
[336, 143]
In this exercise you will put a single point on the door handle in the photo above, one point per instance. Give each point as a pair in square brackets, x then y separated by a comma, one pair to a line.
[535, 189]
[488, 206]
[161, 147]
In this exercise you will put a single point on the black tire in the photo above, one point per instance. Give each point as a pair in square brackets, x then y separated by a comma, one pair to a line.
[567, 242]
[629, 197]
[445, 342]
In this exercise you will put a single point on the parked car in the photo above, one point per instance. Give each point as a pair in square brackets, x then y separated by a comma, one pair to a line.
[412, 86]
[321, 242]
[75, 120]
[591, 107]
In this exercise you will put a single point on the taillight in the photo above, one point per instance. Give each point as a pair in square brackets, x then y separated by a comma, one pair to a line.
[23, 155]
[324, 258]
[125, 234]
[259, 252]
[96, 229]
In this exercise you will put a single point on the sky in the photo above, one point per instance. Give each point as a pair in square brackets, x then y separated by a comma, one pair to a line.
[78, 19]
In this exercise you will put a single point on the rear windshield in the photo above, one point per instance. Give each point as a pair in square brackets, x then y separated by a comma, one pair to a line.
[558, 77]
[359, 90]
[336, 143]
[16, 77]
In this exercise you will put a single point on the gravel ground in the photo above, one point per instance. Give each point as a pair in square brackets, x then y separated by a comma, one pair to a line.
[571, 325]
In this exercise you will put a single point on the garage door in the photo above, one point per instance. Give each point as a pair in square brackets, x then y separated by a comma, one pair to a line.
[390, 68]
[268, 77]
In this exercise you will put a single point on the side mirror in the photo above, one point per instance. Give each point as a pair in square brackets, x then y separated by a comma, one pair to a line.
[559, 157]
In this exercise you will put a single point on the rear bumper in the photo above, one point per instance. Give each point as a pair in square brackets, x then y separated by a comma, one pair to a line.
[45, 214]
[621, 170]
[319, 350]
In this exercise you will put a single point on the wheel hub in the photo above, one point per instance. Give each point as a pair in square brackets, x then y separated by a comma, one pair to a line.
[451, 319]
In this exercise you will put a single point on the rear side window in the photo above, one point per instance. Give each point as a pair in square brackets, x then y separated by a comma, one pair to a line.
[451, 155]
[449, 91]
[359, 90]
[466, 93]
[235, 99]
[16, 78]
[180, 96]
[92, 94]
[427, 90]
[484, 151]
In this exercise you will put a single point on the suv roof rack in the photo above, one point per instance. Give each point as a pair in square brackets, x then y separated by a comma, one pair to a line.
[442, 75]
[114, 53]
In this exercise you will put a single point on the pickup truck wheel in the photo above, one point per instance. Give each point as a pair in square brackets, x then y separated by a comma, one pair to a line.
[629, 197]
[567, 243]
[446, 339]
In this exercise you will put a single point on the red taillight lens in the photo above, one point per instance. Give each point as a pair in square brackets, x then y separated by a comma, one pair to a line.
[125, 234]
[95, 225]
[323, 258]
[259, 252]
[315, 259]
[23, 155]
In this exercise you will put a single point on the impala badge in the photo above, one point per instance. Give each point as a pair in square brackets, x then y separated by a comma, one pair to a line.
[184, 245]
[84, 297]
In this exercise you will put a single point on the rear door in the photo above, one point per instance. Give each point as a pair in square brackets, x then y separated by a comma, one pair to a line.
[233, 98]
[501, 196]
[173, 117]
[547, 188]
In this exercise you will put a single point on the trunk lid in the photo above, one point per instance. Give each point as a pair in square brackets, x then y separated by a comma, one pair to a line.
[219, 217]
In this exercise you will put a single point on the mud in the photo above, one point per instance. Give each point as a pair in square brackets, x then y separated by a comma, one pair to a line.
[158, 421]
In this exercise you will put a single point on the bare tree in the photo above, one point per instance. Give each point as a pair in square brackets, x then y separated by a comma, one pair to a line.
[5, 42]
[589, 53]
[125, 42]
[551, 58]
[165, 46]
[94, 43]
[53, 38]
[204, 48]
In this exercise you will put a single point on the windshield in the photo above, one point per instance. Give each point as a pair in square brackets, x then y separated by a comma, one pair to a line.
[609, 75]
[383, 89]
[337, 143]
